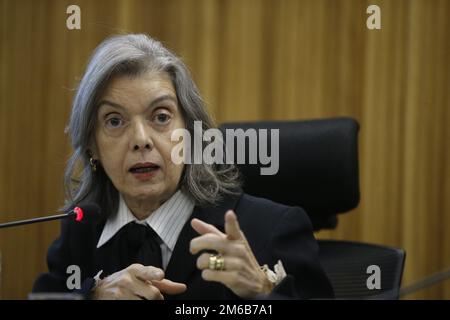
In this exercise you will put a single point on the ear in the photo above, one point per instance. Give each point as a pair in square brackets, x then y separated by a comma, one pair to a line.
[92, 151]
[90, 154]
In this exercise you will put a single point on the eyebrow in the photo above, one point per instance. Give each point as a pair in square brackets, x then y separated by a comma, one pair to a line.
[151, 105]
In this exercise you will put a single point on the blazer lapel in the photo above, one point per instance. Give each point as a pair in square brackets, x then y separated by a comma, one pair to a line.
[182, 263]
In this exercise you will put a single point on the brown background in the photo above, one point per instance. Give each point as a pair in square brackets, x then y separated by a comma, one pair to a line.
[252, 60]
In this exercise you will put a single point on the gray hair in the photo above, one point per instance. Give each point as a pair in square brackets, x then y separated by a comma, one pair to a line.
[132, 55]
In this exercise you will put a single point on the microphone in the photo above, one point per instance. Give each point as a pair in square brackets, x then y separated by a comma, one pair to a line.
[428, 281]
[83, 213]
[425, 282]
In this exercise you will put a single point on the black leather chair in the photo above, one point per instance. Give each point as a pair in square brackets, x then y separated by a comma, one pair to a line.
[348, 266]
[318, 167]
[318, 171]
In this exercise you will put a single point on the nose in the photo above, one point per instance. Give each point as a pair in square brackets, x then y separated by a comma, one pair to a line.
[141, 138]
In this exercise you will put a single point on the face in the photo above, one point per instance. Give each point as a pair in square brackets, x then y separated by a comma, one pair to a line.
[135, 119]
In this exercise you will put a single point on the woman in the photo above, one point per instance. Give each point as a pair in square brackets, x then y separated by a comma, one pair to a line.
[168, 230]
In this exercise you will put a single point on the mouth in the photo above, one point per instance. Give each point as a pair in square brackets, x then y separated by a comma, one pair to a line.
[144, 170]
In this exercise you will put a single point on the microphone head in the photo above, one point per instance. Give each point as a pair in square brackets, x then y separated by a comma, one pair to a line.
[87, 213]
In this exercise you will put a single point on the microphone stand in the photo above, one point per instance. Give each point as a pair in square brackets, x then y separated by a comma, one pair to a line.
[28, 221]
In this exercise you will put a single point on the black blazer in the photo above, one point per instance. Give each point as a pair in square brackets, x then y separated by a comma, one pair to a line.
[274, 231]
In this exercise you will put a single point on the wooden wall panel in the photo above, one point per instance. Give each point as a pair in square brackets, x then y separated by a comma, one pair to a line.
[252, 60]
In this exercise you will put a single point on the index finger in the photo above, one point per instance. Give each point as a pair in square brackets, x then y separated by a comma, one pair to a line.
[146, 273]
[169, 287]
[232, 228]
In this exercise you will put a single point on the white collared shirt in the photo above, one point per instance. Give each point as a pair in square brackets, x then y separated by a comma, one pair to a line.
[167, 221]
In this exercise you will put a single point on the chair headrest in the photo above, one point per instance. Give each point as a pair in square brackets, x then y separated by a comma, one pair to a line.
[318, 167]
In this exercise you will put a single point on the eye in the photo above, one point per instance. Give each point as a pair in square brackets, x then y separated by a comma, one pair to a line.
[114, 122]
[162, 118]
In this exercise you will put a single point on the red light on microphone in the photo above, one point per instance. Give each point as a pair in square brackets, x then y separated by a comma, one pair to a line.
[79, 213]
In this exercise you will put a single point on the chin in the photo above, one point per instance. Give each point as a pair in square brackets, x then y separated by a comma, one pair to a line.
[146, 194]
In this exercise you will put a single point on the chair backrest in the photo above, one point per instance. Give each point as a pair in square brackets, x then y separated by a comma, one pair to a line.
[318, 170]
[318, 167]
[351, 265]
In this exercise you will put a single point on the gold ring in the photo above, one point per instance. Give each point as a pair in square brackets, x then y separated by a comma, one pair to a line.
[220, 263]
[216, 262]
[212, 261]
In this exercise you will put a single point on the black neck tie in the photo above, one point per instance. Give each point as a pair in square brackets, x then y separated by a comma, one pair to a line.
[144, 245]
